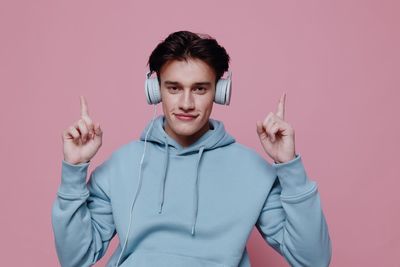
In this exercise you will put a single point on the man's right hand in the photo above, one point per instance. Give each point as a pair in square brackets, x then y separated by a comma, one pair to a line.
[83, 139]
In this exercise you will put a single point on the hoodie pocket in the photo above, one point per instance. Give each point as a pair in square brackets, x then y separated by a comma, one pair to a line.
[147, 258]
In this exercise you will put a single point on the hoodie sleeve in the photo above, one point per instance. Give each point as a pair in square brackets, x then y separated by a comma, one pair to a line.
[82, 216]
[292, 220]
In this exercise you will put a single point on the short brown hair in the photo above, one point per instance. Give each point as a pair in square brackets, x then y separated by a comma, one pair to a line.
[183, 45]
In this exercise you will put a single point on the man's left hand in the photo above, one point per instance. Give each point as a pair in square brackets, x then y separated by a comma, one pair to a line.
[276, 135]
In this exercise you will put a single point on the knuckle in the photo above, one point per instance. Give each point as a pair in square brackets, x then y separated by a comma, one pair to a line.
[75, 133]
[77, 125]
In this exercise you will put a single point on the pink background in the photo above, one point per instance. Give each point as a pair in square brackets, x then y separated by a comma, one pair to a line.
[338, 61]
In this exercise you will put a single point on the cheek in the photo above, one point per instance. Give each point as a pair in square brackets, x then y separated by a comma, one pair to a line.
[206, 104]
[168, 103]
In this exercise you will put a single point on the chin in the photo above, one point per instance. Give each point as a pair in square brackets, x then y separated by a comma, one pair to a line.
[185, 131]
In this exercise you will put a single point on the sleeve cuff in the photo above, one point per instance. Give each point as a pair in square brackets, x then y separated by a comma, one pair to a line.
[73, 178]
[293, 177]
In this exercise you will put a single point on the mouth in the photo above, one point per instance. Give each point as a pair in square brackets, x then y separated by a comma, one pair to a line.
[185, 117]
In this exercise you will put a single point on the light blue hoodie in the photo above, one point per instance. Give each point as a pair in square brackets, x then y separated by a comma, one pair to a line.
[192, 207]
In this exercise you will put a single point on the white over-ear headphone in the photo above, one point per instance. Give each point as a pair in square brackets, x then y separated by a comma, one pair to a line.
[223, 90]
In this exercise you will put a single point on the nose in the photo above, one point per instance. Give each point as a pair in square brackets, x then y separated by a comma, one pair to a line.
[187, 101]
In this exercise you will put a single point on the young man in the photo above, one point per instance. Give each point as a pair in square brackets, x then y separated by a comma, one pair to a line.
[194, 196]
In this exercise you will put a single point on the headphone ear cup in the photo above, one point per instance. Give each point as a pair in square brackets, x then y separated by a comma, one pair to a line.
[223, 91]
[219, 92]
[152, 90]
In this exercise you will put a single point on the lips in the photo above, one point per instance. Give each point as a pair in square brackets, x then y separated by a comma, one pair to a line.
[185, 117]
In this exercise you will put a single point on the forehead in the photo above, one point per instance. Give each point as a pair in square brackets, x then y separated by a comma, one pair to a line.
[190, 71]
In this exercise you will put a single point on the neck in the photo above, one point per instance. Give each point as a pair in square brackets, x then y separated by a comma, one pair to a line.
[185, 140]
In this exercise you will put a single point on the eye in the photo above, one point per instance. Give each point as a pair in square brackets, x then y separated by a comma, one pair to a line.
[200, 89]
[173, 89]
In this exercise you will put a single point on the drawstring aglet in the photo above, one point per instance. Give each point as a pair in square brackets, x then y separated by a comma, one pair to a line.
[160, 208]
[193, 230]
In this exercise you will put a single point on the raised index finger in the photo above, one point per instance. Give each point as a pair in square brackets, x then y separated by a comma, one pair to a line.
[84, 107]
[280, 111]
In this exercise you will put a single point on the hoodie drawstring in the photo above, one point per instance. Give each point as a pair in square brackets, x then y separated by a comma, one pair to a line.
[196, 190]
[161, 198]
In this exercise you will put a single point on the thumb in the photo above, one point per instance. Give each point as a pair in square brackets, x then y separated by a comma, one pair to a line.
[260, 129]
[98, 130]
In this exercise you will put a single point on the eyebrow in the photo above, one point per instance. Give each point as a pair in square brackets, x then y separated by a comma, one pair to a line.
[198, 83]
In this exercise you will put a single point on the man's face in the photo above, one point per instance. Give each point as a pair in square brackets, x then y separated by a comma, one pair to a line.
[187, 94]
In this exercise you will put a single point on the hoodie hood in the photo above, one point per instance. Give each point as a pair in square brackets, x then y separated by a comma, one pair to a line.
[215, 137]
